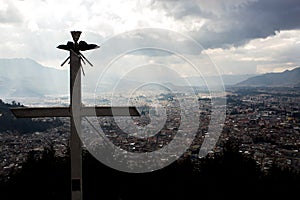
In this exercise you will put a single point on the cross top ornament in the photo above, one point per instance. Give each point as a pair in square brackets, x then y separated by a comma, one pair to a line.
[76, 47]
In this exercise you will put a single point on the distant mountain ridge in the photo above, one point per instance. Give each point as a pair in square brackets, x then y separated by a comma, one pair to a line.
[286, 78]
[24, 77]
[227, 79]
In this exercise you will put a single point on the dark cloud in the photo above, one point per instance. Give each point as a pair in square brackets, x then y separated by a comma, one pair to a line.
[10, 15]
[234, 23]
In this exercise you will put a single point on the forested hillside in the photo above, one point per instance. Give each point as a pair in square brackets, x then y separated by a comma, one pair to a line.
[8, 122]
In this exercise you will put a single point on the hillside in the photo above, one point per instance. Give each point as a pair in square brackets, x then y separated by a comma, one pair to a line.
[9, 123]
[26, 78]
[286, 78]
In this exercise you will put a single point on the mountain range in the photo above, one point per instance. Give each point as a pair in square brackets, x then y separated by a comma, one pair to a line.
[24, 77]
[289, 78]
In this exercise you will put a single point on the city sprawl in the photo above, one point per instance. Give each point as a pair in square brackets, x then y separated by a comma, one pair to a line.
[264, 123]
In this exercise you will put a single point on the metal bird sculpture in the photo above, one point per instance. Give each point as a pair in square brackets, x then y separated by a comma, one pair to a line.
[76, 47]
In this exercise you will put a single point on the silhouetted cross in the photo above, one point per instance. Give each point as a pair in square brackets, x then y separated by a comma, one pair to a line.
[75, 111]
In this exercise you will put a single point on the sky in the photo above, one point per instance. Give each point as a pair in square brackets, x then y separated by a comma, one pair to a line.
[238, 36]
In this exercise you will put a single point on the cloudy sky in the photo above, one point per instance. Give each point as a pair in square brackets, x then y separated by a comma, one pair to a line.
[239, 36]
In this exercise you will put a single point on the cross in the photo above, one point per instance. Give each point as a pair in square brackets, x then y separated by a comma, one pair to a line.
[76, 110]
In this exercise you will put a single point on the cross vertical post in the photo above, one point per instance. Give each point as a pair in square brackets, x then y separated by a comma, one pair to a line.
[75, 142]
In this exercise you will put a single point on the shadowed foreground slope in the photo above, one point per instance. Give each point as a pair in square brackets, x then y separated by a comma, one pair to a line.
[228, 175]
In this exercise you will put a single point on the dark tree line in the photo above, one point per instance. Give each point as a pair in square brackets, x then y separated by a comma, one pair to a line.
[8, 122]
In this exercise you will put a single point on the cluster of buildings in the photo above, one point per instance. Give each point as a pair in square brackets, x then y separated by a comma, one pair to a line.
[15, 147]
[266, 123]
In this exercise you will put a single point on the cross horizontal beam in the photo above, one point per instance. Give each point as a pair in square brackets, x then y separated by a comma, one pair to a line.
[24, 112]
